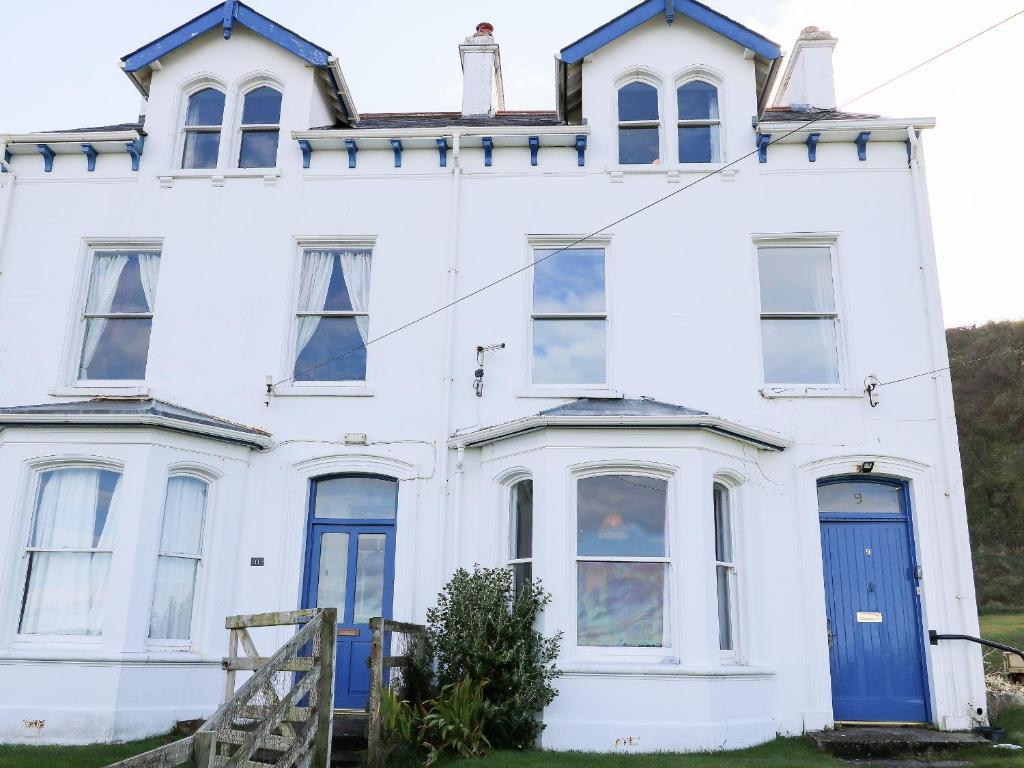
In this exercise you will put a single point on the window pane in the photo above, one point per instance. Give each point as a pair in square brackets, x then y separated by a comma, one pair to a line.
[73, 508]
[638, 146]
[522, 519]
[356, 498]
[122, 281]
[697, 100]
[723, 525]
[349, 286]
[201, 148]
[184, 509]
[621, 604]
[259, 149]
[724, 578]
[621, 515]
[796, 280]
[115, 349]
[568, 351]
[171, 618]
[335, 350]
[332, 578]
[262, 107]
[800, 351]
[521, 574]
[698, 144]
[570, 281]
[638, 101]
[205, 107]
[369, 577]
[65, 593]
[863, 497]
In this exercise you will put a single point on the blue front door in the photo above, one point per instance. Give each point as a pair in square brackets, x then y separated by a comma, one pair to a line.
[876, 640]
[350, 558]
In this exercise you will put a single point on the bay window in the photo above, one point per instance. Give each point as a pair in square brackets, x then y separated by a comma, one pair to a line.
[622, 561]
[69, 552]
[725, 569]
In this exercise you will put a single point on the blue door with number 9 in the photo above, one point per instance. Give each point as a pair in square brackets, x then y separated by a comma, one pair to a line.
[350, 566]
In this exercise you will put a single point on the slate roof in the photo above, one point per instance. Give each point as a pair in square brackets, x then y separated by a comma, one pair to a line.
[785, 115]
[138, 125]
[644, 406]
[400, 120]
[131, 410]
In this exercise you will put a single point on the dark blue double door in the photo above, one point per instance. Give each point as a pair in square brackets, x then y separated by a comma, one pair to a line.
[349, 566]
[875, 635]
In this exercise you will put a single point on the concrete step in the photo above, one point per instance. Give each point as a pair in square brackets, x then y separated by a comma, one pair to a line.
[884, 742]
[348, 739]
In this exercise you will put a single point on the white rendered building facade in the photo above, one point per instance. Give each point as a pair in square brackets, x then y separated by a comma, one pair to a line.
[675, 438]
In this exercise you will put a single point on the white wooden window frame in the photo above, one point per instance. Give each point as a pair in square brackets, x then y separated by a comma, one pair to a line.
[648, 77]
[242, 89]
[27, 500]
[840, 315]
[729, 488]
[712, 78]
[569, 389]
[210, 478]
[193, 87]
[672, 591]
[512, 523]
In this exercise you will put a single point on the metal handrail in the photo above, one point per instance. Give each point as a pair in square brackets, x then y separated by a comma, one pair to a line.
[934, 637]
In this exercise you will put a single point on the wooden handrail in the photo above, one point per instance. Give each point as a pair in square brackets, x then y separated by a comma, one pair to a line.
[375, 755]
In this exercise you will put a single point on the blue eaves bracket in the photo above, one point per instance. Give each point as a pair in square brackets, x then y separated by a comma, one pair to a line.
[135, 151]
[862, 145]
[812, 146]
[351, 148]
[307, 152]
[581, 149]
[763, 140]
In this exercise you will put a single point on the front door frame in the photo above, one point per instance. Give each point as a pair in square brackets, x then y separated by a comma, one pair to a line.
[908, 517]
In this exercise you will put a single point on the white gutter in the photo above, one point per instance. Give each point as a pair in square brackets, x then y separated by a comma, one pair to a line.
[259, 440]
[450, 512]
[826, 126]
[440, 132]
[952, 500]
[67, 137]
[760, 438]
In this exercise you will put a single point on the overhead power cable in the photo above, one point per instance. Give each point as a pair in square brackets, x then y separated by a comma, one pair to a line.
[961, 364]
[648, 206]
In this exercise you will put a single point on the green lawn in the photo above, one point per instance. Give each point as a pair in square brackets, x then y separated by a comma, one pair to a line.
[91, 756]
[1003, 628]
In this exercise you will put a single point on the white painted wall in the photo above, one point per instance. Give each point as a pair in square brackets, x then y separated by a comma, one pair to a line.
[684, 328]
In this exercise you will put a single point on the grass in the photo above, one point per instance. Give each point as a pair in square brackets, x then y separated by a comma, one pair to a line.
[89, 756]
[1005, 628]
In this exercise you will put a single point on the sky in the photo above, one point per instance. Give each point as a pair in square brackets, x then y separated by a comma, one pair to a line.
[401, 55]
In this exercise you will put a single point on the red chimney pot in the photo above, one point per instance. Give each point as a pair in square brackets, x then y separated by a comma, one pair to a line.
[485, 28]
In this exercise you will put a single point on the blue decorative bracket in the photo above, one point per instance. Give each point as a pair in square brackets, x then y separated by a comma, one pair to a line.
[488, 143]
[90, 154]
[135, 150]
[47, 154]
[442, 151]
[7, 159]
[862, 144]
[350, 145]
[812, 146]
[396, 144]
[581, 149]
[763, 140]
[230, 9]
[307, 152]
[534, 146]
[670, 11]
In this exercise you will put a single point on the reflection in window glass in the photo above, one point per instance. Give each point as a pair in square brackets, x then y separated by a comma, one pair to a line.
[569, 281]
[569, 351]
[699, 125]
[639, 125]
[622, 598]
[800, 351]
[860, 497]
[332, 579]
[796, 280]
[725, 569]
[369, 592]
[261, 114]
[521, 532]
[262, 107]
[202, 129]
[356, 498]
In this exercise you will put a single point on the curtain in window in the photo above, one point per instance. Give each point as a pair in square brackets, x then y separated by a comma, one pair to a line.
[317, 267]
[106, 272]
[355, 267]
[171, 617]
[66, 590]
[149, 272]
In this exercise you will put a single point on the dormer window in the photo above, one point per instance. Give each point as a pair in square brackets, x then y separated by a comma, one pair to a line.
[639, 125]
[261, 117]
[699, 124]
[203, 121]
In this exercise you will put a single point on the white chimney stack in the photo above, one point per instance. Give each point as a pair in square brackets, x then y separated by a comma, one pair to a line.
[808, 82]
[482, 89]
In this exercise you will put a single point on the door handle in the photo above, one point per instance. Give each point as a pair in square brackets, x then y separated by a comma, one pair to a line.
[830, 637]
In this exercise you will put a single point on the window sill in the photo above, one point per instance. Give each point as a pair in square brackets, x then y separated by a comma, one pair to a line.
[666, 168]
[114, 390]
[660, 669]
[770, 393]
[333, 390]
[86, 655]
[217, 176]
[570, 392]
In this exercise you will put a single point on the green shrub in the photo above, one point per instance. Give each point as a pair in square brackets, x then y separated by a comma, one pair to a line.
[481, 630]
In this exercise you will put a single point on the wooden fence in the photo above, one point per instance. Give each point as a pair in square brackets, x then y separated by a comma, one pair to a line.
[375, 751]
[282, 714]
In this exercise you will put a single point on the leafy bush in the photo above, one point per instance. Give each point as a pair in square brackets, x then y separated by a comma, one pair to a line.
[481, 630]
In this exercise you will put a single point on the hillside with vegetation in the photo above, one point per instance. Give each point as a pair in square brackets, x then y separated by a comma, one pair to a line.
[989, 396]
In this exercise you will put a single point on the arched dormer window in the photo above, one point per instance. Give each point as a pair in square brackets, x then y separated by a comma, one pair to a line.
[260, 126]
[639, 124]
[203, 120]
[698, 123]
